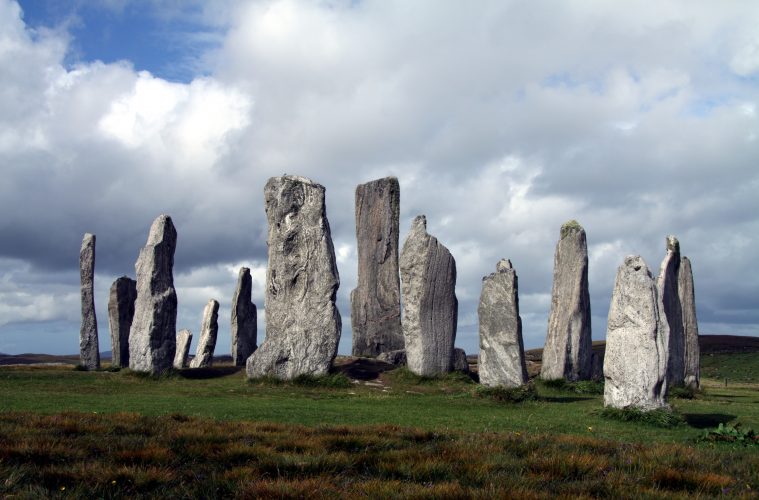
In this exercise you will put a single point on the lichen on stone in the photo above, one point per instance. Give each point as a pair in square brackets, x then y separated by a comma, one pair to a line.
[570, 226]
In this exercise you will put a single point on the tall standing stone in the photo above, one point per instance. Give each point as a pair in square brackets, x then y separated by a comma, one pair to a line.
[376, 301]
[672, 312]
[567, 351]
[302, 321]
[89, 351]
[152, 338]
[209, 329]
[502, 361]
[430, 308]
[690, 324]
[244, 319]
[635, 363]
[184, 339]
[120, 315]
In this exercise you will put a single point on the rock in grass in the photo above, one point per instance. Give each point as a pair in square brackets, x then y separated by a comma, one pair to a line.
[667, 284]
[184, 339]
[302, 321]
[430, 308]
[121, 299]
[209, 329]
[635, 364]
[502, 361]
[376, 301]
[89, 351]
[692, 356]
[460, 362]
[244, 319]
[152, 337]
[397, 358]
[567, 351]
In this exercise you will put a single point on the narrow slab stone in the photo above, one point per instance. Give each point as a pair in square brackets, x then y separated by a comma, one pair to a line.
[302, 321]
[244, 319]
[568, 346]
[121, 299]
[501, 361]
[209, 329]
[430, 307]
[597, 366]
[460, 363]
[89, 351]
[184, 339]
[376, 301]
[690, 325]
[667, 284]
[635, 364]
[152, 337]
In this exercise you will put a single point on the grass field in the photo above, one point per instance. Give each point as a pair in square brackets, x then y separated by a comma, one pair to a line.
[212, 433]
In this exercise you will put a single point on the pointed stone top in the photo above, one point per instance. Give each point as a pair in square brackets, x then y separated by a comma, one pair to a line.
[420, 221]
[637, 263]
[672, 244]
[89, 239]
[244, 270]
[569, 227]
[299, 178]
[162, 227]
[504, 265]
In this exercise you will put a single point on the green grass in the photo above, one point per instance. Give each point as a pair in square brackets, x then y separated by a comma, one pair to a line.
[735, 368]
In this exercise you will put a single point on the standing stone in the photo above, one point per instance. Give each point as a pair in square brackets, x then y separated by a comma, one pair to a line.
[376, 301]
[120, 315]
[597, 366]
[667, 284]
[690, 324]
[635, 363]
[184, 339]
[89, 351]
[502, 361]
[244, 319]
[152, 338]
[567, 351]
[430, 308]
[208, 331]
[302, 321]
[460, 363]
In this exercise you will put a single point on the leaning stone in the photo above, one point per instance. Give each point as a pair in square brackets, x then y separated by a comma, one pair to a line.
[302, 321]
[152, 337]
[184, 339]
[244, 319]
[568, 346]
[690, 325]
[89, 351]
[635, 364]
[376, 301]
[397, 358]
[120, 315]
[430, 308]
[208, 332]
[460, 362]
[667, 284]
[501, 361]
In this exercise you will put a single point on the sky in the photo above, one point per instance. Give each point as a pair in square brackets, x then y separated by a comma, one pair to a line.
[501, 119]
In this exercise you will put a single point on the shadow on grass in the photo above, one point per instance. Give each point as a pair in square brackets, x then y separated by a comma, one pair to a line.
[363, 369]
[707, 420]
[208, 373]
[563, 399]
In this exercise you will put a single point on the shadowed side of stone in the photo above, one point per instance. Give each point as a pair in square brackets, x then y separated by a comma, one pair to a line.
[244, 319]
[672, 312]
[567, 351]
[302, 321]
[502, 361]
[692, 355]
[121, 299]
[89, 351]
[152, 338]
[184, 339]
[635, 362]
[430, 308]
[376, 301]
[209, 329]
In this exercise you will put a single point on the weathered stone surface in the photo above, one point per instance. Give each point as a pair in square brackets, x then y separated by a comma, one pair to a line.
[184, 339]
[635, 364]
[209, 329]
[597, 366]
[568, 346]
[120, 314]
[667, 284]
[501, 361]
[89, 351]
[244, 319]
[397, 358]
[430, 308]
[690, 324]
[459, 360]
[302, 321]
[152, 338]
[376, 301]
